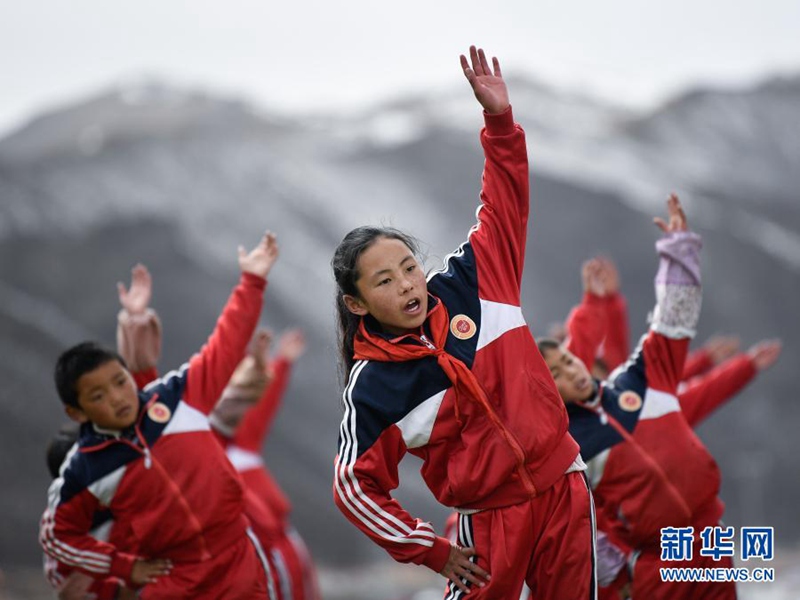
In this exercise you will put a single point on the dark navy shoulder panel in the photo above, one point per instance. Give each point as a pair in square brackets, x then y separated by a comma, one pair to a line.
[631, 375]
[385, 392]
[592, 435]
[457, 287]
[168, 391]
[85, 468]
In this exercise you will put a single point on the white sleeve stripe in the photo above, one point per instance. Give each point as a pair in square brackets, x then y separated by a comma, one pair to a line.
[69, 554]
[48, 532]
[357, 502]
[70, 559]
[64, 553]
[355, 510]
[349, 474]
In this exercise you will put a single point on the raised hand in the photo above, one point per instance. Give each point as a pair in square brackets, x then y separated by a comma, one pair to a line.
[136, 299]
[459, 567]
[147, 571]
[721, 347]
[252, 374]
[765, 353]
[677, 218]
[259, 348]
[260, 259]
[292, 345]
[593, 277]
[489, 87]
[609, 275]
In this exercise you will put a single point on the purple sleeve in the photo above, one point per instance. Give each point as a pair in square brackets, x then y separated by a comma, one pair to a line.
[678, 289]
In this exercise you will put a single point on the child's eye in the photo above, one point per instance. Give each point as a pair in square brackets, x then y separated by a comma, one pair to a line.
[411, 268]
[96, 398]
[383, 281]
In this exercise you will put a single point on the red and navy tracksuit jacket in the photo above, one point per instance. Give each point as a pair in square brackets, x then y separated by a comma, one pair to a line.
[662, 476]
[475, 456]
[171, 489]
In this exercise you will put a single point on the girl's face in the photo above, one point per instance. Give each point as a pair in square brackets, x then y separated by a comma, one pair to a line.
[391, 287]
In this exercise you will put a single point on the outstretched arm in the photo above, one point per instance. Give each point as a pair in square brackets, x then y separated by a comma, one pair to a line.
[498, 239]
[616, 347]
[210, 369]
[717, 349]
[586, 323]
[705, 393]
[658, 362]
[138, 327]
[256, 422]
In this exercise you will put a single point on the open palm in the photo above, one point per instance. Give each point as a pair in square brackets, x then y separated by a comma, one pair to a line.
[487, 82]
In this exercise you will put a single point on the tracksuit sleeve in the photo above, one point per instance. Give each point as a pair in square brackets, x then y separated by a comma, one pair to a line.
[64, 535]
[705, 393]
[586, 328]
[657, 364]
[616, 347]
[139, 339]
[211, 368]
[499, 236]
[256, 422]
[361, 489]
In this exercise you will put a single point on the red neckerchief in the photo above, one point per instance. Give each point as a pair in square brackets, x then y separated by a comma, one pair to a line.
[369, 346]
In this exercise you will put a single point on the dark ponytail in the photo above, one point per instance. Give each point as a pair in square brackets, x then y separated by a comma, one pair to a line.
[345, 272]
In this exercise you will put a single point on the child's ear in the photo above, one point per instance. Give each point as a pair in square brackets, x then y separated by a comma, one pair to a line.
[76, 414]
[354, 305]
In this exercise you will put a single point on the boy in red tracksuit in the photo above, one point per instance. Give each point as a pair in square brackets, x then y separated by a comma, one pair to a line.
[148, 458]
[445, 368]
[647, 467]
[139, 344]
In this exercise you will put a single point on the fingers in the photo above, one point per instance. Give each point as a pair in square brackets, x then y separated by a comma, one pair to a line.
[259, 349]
[484, 63]
[476, 61]
[461, 571]
[661, 224]
[766, 353]
[468, 73]
[496, 64]
[122, 291]
[676, 216]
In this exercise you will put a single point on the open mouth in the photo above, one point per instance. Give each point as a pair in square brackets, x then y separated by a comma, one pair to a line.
[582, 383]
[412, 307]
[124, 412]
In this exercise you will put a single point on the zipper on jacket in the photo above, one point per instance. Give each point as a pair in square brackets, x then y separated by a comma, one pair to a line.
[509, 437]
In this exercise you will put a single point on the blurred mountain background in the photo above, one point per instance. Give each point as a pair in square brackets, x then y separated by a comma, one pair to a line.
[177, 178]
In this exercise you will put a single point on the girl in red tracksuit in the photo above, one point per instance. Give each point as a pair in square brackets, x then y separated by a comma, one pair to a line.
[447, 370]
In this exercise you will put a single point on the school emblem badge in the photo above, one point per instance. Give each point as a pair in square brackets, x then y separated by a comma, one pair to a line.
[630, 401]
[159, 412]
[462, 327]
